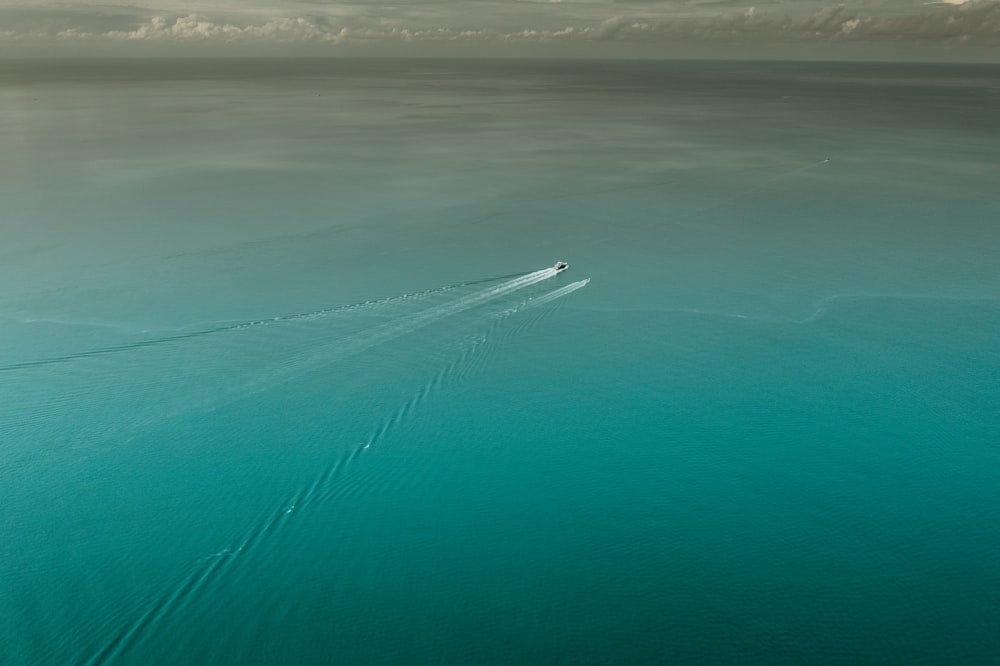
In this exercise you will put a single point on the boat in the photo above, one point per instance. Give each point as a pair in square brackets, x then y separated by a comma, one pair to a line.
[561, 266]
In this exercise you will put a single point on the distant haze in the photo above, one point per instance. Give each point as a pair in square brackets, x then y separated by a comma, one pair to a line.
[804, 29]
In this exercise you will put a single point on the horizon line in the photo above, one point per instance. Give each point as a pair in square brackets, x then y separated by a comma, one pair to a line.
[513, 58]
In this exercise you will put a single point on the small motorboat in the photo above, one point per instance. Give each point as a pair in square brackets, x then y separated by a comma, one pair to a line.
[561, 266]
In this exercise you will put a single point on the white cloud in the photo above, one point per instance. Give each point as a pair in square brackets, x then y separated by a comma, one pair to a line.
[199, 28]
[963, 23]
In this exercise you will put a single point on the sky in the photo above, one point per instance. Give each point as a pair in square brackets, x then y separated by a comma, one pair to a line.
[963, 30]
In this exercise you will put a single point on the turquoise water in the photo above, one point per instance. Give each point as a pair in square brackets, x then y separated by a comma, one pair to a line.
[283, 378]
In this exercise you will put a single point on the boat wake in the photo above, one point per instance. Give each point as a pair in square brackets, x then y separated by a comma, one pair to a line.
[340, 478]
[230, 327]
[558, 293]
[117, 391]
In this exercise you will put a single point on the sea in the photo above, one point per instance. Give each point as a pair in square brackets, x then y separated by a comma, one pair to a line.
[287, 374]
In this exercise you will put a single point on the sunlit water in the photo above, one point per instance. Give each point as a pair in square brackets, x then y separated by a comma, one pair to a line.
[285, 377]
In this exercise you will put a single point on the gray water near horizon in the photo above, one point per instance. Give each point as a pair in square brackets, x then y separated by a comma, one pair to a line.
[283, 378]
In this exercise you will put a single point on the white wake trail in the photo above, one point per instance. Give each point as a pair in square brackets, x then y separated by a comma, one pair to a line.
[558, 293]
[221, 567]
[317, 357]
[142, 383]
[421, 319]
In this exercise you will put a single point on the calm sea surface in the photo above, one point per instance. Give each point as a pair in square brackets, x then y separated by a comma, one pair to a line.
[285, 377]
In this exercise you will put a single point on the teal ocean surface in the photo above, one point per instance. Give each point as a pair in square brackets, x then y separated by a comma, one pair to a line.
[286, 376]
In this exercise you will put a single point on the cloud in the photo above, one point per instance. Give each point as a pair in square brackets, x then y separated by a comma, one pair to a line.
[973, 20]
[648, 23]
[198, 28]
